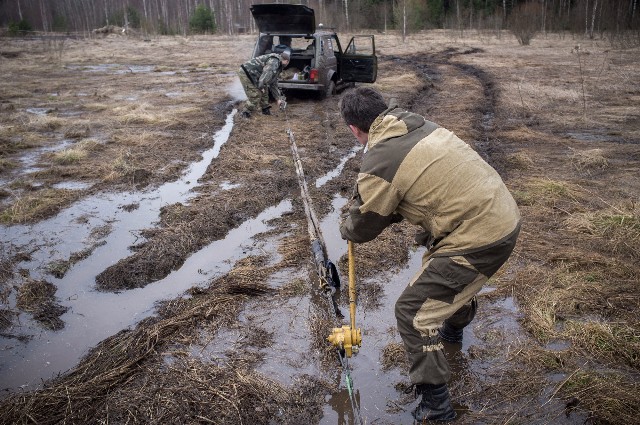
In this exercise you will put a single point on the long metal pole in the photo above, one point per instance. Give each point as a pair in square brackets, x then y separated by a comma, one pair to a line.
[352, 286]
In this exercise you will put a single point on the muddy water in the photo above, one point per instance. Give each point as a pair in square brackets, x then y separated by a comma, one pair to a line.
[93, 315]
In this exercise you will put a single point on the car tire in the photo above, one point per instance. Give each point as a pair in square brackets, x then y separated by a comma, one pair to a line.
[330, 90]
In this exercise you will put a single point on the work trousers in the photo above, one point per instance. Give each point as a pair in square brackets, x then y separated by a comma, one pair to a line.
[443, 289]
[256, 99]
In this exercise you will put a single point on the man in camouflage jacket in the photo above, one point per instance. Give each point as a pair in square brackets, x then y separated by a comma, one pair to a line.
[416, 170]
[259, 76]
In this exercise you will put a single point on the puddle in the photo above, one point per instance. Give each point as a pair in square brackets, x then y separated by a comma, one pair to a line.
[596, 136]
[48, 353]
[558, 345]
[118, 69]
[70, 113]
[336, 171]
[29, 159]
[72, 185]
[39, 111]
[373, 392]
[64, 239]
[227, 185]
[487, 121]
[136, 69]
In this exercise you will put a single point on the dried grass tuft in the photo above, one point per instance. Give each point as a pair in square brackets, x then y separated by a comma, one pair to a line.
[69, 156]
[613, 396]
[122, 165]
[38, 298]
[394, 355]
[37, 205]
[611, 343]
[45, 123]
[545, 192]
[619, 228]
[589, 160]
[520, 160]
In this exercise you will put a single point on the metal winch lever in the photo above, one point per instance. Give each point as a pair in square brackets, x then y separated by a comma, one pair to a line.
[349, 338]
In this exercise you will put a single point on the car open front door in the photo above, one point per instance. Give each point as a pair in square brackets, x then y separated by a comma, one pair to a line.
[358, 63]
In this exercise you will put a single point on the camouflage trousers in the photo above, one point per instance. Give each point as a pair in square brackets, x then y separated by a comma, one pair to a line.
[444, 289]
[256, 99]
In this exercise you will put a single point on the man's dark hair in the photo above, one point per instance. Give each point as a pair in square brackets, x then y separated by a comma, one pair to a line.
[361, 106]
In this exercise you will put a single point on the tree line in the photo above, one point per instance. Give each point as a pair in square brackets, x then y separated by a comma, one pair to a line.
[593, 18]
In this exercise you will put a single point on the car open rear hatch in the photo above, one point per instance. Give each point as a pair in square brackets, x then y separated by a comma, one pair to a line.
[284, 18]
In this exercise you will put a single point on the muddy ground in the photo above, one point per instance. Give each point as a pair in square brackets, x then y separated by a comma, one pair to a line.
[156, 265]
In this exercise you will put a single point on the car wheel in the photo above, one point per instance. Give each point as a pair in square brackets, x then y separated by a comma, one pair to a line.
[330, 90]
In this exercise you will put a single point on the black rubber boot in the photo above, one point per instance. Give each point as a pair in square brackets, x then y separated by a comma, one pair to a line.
[266, 111]
[246, 114]
[435, 404]
[451, 330]
[450, 334]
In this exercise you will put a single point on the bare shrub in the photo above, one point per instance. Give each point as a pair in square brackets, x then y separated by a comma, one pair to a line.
[54, 46]
[524, 22]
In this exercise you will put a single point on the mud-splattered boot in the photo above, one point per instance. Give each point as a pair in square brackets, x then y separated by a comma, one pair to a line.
[435, 404]
[266, 110]
[450, 333]
[245, 114]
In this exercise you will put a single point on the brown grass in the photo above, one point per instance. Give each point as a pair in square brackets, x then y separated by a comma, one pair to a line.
[591, 159]
[612, 396]
[618, 227]
[407, 81]
[394, 355]
[37, 205]
[38, 298]
[69, 156]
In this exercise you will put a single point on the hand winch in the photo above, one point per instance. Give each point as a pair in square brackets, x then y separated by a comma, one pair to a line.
[349, 338]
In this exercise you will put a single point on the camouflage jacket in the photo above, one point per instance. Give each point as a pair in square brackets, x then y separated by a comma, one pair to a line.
[416, 170]
[263, 71]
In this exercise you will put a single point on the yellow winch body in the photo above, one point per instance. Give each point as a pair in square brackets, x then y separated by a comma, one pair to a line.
[349, 338]
[346, 338]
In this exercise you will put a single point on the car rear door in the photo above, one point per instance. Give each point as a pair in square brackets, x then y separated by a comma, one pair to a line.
[359, 63]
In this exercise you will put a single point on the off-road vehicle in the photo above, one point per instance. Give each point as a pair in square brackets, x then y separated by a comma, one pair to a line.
[318, 62]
